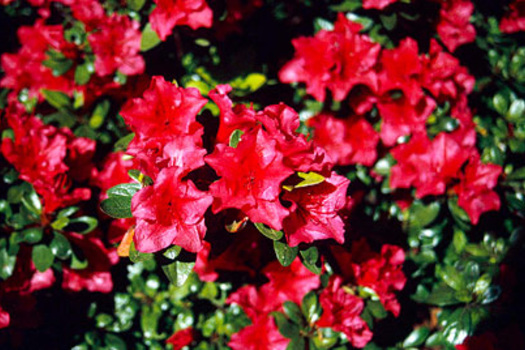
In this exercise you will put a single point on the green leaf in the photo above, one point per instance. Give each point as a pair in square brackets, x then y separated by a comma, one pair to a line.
[173, 252]
[136, 5]
[78, 262]
[389, 22]
[56, 99]
[32, 202]
[308, 179]
[422, 215]
[272, 234]
[42, 257]
[284, 253]
[149, 39]
[286, 328]
[118, 203]
[235, 137]
[442, 295]
[310, 258]
[451, 277]
[31, 235]
[500, 103]
[99, 114]
[90, 223]
[7, 264]
[457, 326]
[178, 272]
[136, 256]
[83, 73]
[293, 311]
[60, 246]
[58, 66]
[376, 309]
[518, 174]
[417, 337]
[311, 307]
[114, 342]
[123, 142]
[297, 343]
[516, 110]
[346, 6]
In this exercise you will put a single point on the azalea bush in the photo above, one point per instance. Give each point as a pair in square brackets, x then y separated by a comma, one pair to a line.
[230, 174]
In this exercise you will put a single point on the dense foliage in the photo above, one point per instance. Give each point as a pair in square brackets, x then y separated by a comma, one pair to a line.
[262, 174]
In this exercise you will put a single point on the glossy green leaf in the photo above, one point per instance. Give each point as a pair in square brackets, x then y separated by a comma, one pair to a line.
[310, 257]
[293, 311]
[42, 257]
[416, 337]
[310, 307]
[136, 256]
[56, 99]
[149, 39]
[178, 272]
[118, 203]
[286, 328]
[284, 253]
[31, 235]
[60, 246]
[7, 264]
[235, 137]
[272, 234]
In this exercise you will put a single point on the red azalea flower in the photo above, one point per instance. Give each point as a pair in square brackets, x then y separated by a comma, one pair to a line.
[341, 312]
[377, 4]
[164, 111]
[181, 338]
[443, 76]
[170, 13]
[261, 335]
[289, 283]
[454, 26]
[116, 45]
[514, 20]
[400, 70]
[337, 60]
[24, 69]
[170, 212]
[43, 154]
[89, 12]
[5, 319]
[401, 118]
[346, 141]
[251, 176]
[96, 276]
[474, 191]
[427, 165]
[314, 212]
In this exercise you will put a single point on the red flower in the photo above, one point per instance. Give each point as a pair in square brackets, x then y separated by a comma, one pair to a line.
[401, 118]
[401, 67]
[341, 312]
[24, 70]
[314, 212]
[336, 60]
[346, 141]
[181, 338]
[96, 277]
[4, 318]
[443, 76]
[251, 175]
[170, 212]
[377, 4]
[514, 20]
[89, 12]
[427, 165]
[170, 13]
[474, 191]
[454, 26]
[116, 45]
[261, 335]
[43, 154]
[165, 111]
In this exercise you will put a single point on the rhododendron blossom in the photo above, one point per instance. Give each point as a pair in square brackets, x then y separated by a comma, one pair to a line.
[314, 211]
[116, 45]
[514, 20]
[170, 212]
[170, 13]
[341, 311]
[454, 26]
[335, 60]
[251, 175]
